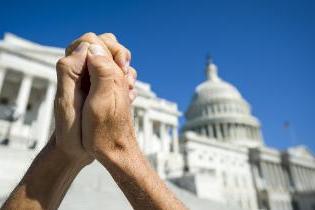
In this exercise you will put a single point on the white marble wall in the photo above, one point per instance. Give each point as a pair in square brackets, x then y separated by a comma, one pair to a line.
[231, 168]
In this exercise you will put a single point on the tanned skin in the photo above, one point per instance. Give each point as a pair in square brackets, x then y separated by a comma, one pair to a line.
[92, 114]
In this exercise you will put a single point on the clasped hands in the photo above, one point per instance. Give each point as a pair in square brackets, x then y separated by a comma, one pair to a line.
[95, 89]
[96, 86]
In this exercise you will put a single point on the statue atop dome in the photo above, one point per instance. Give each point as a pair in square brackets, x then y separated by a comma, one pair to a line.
[211, 70]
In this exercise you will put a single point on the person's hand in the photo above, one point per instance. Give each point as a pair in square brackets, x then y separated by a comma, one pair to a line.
[69, 102]
[109, 136]
[73, 86]
[107, 128]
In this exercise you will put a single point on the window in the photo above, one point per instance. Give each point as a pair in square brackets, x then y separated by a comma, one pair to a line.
[4, 101]
[29, 107]
[295, 205]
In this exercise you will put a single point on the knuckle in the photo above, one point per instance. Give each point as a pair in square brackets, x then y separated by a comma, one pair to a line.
[122, 53]
[89, 35]
[128, 53]
[63, 64]
[110, 36]
[133, 72]
[65, 67]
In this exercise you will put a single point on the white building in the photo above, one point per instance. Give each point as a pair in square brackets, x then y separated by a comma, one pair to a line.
[225, 157]
[220, 162]
[271, 179]
[216, 135]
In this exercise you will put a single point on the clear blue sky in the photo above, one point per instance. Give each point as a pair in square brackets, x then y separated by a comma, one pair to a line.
[266, 48]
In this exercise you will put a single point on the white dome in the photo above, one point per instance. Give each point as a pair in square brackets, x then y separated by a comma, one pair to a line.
[210, 90]
[218, 107]
[215, 91]
[215, 88]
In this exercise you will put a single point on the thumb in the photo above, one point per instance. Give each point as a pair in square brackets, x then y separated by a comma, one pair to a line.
[70, 70]
[104, 73]
[100, 62]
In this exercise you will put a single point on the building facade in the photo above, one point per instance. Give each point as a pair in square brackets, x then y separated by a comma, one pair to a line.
[225, 157]
[219, 153]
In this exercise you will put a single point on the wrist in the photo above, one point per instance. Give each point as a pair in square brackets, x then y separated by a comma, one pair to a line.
[71, 158]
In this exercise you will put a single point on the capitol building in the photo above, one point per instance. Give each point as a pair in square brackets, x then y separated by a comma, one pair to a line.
[217, 160]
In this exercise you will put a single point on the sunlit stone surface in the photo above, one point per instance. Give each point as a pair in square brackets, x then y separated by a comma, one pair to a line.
[218, 161]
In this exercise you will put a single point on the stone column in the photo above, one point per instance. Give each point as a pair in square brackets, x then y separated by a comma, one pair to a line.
[302, 177]
[218, 131]
[45, 116]
[254, 133]
[163, 133]
[281, 182]
[299, 178]
[225, 131]
[2, 76]
[313, 177]
[273, 172]
[283, 178]
[248, 134]
[272, 175]
[309, 178]
[23, 96]
[236, 131]
[232, 131]
[278, 176]
[265, 173]
[210, 131]
[241, 131]
[305, 178]
[175, 139]
[296, 179]
[203, 131]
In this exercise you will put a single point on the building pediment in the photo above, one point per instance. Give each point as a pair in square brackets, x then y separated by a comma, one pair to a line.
[301, 151]
[20, 47]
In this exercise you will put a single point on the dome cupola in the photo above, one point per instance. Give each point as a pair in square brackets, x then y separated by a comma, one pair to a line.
[218, 110]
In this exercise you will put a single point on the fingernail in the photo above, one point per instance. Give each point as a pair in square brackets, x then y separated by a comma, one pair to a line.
[96, 49]
[130, 80]
[126, 67]
[81, 47]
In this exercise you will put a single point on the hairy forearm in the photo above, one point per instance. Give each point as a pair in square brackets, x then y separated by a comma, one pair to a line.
[46, 181]
[139, 182]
